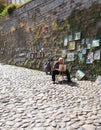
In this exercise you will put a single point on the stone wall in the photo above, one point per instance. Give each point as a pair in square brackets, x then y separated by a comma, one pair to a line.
[32, 28]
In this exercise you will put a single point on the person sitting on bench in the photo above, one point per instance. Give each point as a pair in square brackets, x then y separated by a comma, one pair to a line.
[59, 69]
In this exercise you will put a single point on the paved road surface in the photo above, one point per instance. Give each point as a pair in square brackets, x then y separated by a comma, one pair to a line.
[29, 101]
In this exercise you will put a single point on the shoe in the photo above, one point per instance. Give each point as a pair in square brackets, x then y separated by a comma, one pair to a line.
[53, 82]
[70, 81]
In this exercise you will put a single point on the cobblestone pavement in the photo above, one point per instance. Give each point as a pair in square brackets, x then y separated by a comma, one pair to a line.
[29, 101]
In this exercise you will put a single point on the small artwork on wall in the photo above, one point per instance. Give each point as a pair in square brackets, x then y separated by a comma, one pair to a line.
[64, 53]
[70, 37]
[89, 59]
[70, 57]
[65, 41]
[78, 47]
[88, 46]
[79, 56]
[38, 54]
[84, 51]
[87, 41]
[38, 47]
[71, 45]
[96, 43]
[97, 55]
[83, 41]
[77, 36]
[41, 54]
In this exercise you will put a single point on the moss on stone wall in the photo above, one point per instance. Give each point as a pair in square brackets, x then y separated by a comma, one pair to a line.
[84, 21]
[51, 35]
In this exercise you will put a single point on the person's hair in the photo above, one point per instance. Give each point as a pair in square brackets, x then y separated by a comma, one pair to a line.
[60, 59]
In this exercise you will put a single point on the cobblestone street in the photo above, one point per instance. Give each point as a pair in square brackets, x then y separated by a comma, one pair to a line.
[29, 101]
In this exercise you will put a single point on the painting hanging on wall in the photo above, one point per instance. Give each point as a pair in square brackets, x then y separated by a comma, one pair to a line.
[38, 54]
[71, 45]
[78, 47]
[70, 37]
[77, 36]
[87, 41]
[37, 47]
[70, 57]
[64, 53]
[89, 59]
[79, 56]
[96, 43]
[41, 54]
[65, 41]
[84, 50]
[97, 55]
[88, 46]
[83, 41]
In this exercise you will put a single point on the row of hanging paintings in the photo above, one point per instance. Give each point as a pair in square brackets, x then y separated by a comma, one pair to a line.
[91, 56]
[74, 42]
[69, 38]
[70, 41]
[35, 55]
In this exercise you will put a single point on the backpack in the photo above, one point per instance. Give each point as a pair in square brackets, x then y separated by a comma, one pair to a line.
[48, 67]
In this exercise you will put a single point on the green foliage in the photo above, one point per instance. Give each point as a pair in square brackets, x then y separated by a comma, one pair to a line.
[26, 1]
[10, 61]
[61, 25]
[35, 40]
[95, 12]
[2, 7]
[11, 8]
[3, 13]
[27, 63]
[78, 21]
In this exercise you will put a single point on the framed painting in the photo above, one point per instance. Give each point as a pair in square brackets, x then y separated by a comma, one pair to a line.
[41, 54]
[79, 74]
[83, 41]
[79, 56]
[89, 59]
[70, 57]
[84, 50]
[64, 52]
[78, 46]
[38, 54]
[87, 41]
[77, 36]
[88, 46]
[70, 37]
[65, 41]
[71, 45]
[97, 55]
[96, 43]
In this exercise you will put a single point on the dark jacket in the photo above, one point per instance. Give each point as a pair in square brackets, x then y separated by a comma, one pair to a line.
[56, 66]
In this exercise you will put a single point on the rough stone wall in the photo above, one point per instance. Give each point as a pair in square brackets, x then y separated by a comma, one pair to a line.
[16, 31]
[36, 11]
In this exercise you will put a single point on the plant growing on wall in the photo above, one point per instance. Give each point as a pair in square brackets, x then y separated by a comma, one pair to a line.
[61, 25]
[2, 6]
[78, 21]
[10, 9]
[35, 41]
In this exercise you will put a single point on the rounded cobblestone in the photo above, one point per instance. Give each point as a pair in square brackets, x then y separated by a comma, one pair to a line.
[29, 101]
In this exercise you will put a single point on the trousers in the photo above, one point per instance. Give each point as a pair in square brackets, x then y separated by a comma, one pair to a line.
[56, 72]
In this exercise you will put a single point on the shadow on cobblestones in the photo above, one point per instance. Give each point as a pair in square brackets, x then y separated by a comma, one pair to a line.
[73, 84]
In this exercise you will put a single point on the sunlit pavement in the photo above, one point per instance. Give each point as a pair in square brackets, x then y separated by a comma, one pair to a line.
[29, 101]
